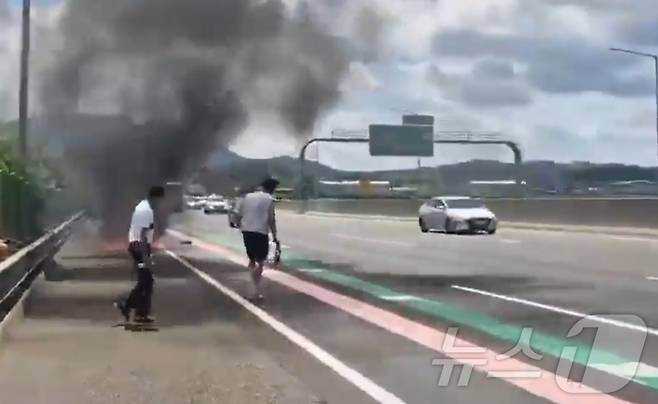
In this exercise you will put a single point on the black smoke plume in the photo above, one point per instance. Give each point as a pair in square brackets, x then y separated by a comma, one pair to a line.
[181, 77]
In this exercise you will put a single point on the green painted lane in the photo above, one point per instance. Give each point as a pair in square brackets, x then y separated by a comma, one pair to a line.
[542, 343]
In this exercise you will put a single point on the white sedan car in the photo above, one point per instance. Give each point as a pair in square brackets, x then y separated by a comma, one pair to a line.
[456, 214]
[215, 205]
[195, 204]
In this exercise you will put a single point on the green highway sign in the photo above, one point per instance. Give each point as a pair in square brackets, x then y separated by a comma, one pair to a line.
[401, 140]
[426, 120]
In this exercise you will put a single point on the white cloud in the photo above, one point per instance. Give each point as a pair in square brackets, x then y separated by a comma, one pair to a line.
[265, 137]
[43, 19]
[9, 42]
[360, 78]
[555, 86]
[569, 98]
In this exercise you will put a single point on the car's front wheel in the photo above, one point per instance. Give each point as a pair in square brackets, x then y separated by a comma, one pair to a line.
[423, 226]
[491, 231]
[448, 226]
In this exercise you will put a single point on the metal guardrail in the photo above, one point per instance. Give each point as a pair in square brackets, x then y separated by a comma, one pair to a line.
[441, 135]
[467, 136]
[17, 271]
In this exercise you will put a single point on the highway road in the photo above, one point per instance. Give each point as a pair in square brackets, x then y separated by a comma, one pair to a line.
[519, 288]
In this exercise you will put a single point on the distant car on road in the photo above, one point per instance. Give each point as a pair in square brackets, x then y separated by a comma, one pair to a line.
[195, 203]
[215, 205]
[456, 214]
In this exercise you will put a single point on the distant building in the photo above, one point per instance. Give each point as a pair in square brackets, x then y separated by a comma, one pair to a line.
[284, 193]
[404, 192]
[354, 189]
[546, 177]
[632, 187]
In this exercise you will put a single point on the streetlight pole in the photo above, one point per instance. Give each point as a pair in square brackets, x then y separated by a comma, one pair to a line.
[655, 66]
[24, 81]
[23, 114]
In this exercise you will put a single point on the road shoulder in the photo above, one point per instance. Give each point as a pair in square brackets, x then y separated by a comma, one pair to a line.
[66, 350]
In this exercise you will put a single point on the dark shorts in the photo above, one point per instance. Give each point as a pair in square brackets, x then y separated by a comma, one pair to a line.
[257, 245]
[135, 251]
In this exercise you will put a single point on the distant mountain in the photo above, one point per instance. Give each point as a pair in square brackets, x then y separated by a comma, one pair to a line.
[225, 170]
[223, 158]
[230, 171]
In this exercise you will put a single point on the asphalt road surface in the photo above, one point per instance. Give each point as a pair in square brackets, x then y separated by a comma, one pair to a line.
[522, 293]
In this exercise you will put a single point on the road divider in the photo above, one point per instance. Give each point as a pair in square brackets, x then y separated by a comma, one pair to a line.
[560, 310]
[624, 216]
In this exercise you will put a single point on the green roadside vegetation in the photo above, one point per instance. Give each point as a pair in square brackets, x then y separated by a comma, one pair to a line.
[32, 193]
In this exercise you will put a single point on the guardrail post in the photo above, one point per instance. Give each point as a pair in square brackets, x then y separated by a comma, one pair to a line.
[518, 165]
[303, 195]
[303, 206]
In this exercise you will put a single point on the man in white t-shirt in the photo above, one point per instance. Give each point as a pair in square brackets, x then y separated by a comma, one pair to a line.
[257, 220]
[140, 238]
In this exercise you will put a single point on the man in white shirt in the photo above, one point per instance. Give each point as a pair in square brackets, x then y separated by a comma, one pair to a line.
[140, 238]
[257, 220]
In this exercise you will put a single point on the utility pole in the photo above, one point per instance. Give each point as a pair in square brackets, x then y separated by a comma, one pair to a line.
[23, 116]
[23, 103]
[655, 66]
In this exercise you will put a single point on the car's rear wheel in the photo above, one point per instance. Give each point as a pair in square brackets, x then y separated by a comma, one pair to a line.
[423, 226]
[491, 231]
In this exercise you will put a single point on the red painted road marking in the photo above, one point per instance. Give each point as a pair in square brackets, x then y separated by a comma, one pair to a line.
[545, 385]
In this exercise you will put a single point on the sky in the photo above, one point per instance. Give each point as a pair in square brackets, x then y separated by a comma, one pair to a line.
[536, 71]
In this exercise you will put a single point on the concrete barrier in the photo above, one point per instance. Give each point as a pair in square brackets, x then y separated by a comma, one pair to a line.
[638, 213]
[603, 212]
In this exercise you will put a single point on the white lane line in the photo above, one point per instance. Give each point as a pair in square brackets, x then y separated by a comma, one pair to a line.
[562, 233]
[371, 240]
[399, 298]
[573, 313]
[629, 370]
[378, 393]
[652, 278]
[510, 241]
[628, 238]
[311, 270]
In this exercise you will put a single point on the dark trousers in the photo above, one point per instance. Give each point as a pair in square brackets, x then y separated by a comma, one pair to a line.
[140, 296]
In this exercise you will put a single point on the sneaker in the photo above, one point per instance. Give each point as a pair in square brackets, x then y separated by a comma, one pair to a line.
[144, 320]
[125, 311]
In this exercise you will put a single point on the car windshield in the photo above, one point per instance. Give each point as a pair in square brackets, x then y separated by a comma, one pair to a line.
[464, 203]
